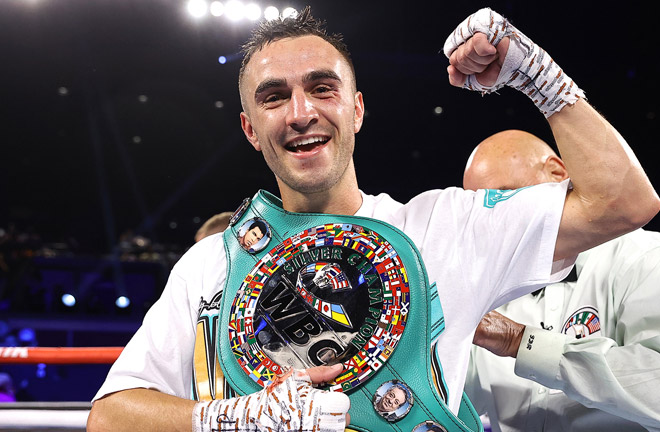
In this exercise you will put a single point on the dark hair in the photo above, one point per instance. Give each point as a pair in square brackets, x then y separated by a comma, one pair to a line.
[259, 224]
[302, 24]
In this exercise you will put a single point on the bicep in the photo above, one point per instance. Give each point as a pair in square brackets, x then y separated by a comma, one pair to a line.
[581, 229]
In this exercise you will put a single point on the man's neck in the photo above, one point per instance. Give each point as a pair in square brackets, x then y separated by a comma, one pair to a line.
[343, 198]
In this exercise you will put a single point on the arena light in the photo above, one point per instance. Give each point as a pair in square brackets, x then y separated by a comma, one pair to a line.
[271, 13]
[41, 370]
[27, 336]
[234, 10]
[197, 8]
[217, 8]
[122, 302]
[68, 300]
[252, 12]
[289, 13]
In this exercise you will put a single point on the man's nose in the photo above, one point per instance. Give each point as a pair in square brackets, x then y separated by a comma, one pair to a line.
[302, 111]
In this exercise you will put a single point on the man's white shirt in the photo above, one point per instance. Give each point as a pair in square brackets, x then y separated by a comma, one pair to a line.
[481, 248]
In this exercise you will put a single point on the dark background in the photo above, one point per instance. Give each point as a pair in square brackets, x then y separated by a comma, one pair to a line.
[70, 167]
[84, 161]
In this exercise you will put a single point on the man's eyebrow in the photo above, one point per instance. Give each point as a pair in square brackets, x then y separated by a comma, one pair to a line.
[309, 77]
[321, 74]
[268, 84]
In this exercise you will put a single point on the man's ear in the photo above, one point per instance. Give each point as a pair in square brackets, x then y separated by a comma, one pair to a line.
[249, 132]
[554, 169]
[359, 111]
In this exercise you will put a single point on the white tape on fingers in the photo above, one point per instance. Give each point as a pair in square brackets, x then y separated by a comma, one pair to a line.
[289, 404]
[526, 67]
[486, 21]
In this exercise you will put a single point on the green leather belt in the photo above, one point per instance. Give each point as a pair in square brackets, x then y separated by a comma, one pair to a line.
[305, 289]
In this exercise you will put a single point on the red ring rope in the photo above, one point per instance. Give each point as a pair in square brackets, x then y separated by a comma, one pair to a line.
[29, 355]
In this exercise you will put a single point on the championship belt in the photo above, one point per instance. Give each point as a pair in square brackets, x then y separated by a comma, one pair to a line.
[308, 289]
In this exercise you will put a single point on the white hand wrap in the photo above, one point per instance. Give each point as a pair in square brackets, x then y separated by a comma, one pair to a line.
[288, 405]
[527, 67]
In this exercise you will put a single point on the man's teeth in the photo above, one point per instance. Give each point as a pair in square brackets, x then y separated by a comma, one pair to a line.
[306, 141]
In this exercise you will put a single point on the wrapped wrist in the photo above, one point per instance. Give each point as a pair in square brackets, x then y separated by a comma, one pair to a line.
[290, 404]
[527, 67]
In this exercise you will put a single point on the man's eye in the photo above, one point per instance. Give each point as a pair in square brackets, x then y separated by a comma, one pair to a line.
[272, 98]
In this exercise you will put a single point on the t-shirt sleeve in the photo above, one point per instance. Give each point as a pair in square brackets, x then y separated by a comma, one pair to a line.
[159, 356]
[508, 240]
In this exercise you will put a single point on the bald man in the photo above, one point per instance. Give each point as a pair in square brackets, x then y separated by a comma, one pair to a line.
[585, 352]
[510, 160]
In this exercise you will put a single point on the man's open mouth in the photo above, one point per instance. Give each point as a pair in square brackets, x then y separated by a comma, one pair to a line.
[306, 144]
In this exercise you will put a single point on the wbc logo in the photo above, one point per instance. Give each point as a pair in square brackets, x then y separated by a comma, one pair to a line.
[332, 293]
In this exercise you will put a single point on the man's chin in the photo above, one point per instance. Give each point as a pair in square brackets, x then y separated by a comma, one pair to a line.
[312, 184]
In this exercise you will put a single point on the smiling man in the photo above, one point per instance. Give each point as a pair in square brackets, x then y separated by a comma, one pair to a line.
[224, 307]
[302, 111]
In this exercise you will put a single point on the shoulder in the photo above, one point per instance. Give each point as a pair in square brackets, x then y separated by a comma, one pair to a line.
[623, 252]
[630, 246]
[202, 259]
[384, 204]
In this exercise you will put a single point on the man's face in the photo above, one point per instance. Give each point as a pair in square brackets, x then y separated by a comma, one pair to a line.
[302, 112]
[392, 399]
[252, 236]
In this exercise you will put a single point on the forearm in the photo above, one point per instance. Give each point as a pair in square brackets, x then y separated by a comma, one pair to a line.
[141, 410]
[610, 189]
[620, 380]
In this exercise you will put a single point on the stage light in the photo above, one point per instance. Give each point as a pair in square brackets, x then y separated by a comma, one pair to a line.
[41, 370]
[68, 300]
[122, 302]
[271, 13]
[217, 8]
[289, 13]
[437, 110]
[222, 59]
[234, 10]
[252, 12]
[197, 8]
[26, 336]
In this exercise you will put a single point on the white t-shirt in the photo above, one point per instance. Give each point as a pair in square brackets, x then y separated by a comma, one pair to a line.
[482, 249]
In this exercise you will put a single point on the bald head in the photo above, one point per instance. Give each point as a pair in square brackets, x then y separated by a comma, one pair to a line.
[510, 160]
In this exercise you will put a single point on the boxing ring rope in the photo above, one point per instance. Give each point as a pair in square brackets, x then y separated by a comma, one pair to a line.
[50, 416]
[36, 355]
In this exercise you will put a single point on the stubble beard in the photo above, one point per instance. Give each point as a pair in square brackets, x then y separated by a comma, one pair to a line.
[314, 181]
